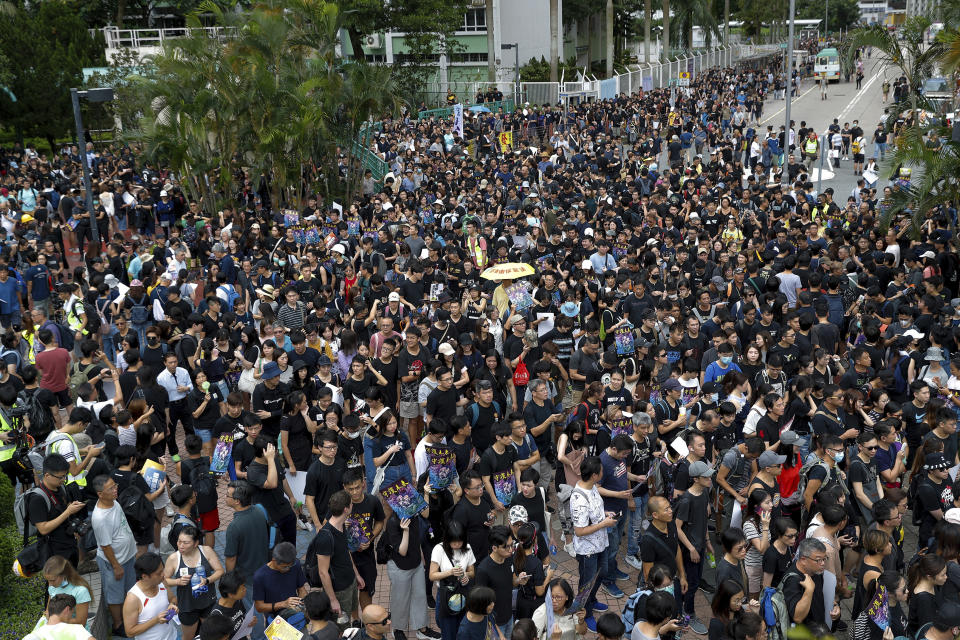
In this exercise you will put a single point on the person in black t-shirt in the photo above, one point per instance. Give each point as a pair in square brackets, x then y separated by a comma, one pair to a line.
[500, 470]
[443, 401]
[336, 572]
[934, 495]
[659, 544]
[230, 605]
[49, 509]
[803, 585]
[324, 478]
[265, 474]
[777, 557]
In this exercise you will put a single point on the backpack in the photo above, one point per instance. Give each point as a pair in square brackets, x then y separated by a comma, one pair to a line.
[629, 615]
[178, 519]
[230, 295]
[857, 145]
[138, 510]
[78, 377]
[36, 454]
[773, 608]
[67, 339]
[475, 411]
[205, 484]
[804, 474]
[39, 417]
[900, 385]
[139, 313]
[20, 511]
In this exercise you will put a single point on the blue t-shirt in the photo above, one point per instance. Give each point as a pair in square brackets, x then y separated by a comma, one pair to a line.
[472, 630]
[715, 373]
[38, 275]
[614, 479]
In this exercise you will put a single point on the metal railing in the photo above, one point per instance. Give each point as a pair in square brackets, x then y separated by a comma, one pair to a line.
[507, 106]
[117, 38]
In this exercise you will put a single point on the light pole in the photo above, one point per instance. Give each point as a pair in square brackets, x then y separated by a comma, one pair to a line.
[784, 174]
[516, 70]
[93, 95]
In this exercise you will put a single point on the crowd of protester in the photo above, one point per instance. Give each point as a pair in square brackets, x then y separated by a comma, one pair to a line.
[705, 373]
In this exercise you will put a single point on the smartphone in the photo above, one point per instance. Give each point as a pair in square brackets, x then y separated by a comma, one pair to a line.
[168, 616]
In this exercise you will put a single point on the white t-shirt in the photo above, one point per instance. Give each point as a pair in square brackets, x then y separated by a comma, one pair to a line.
[111, 528]
[463, 557]
[586, 508]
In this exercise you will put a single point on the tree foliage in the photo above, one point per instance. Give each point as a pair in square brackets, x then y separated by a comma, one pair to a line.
[46, 47]
[843, 14]
[274, 102]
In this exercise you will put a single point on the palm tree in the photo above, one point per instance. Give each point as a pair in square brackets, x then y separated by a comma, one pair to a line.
[726, 22]
[690, 13]
[609, 37]
[903, 51]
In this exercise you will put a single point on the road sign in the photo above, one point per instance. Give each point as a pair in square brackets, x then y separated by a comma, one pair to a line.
[683, 79]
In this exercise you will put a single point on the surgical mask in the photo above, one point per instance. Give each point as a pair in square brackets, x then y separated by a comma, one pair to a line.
[350, 436]
[726, 359]
[714, 397]
[838, 457]
[282, 263]
[668, 589]
[904, 323]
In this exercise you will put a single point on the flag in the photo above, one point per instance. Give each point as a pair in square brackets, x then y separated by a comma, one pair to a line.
[458, 119]
[506, 140]
[879, 610]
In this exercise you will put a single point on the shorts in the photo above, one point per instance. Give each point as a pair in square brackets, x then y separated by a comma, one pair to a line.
[755, 577]
[115, 591]
[367, 568]
[409, 410]
[210, 521]
[63, 398]
[349, 598]
[206, 435]
[858, 157]
[193, 617]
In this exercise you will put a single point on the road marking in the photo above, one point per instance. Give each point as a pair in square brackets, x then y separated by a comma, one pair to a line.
[856, 98]
[782, 109]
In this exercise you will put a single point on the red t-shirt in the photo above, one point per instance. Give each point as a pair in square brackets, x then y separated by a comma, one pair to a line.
[53, 364]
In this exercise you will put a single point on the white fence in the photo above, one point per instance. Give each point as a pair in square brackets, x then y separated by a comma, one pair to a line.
[643, 76]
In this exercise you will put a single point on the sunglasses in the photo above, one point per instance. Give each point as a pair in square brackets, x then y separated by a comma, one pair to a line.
[384, 621]
[873, 448]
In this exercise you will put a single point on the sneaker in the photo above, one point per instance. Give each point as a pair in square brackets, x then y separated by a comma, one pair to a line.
[620, 576]
[431, 601]
[706, 587]
[169, 511]
[591, 623]
[612, 590]
[568, 547]
[88, 566]
[303, 526]
[399, 635]
[634, 562]
[697, 626]
[600, 606]
[428, 634]
[839, 625]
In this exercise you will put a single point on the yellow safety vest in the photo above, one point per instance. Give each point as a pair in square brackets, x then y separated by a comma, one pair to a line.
[6, 449]
[810, 146]
[81, 479]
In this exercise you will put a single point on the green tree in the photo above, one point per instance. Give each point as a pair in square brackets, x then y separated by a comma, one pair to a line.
[128, 104]
[843, 14]
[688, 14]
[274, 101]
[47, 46]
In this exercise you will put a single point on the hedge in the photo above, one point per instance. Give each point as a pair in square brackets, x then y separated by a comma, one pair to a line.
[21, 598]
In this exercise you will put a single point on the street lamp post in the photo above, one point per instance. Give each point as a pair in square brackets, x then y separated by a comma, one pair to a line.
[92, 95]
[784, 174]
[516, 70]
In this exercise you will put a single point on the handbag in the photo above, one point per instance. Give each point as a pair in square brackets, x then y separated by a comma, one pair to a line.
[32, 557]
[106, 328]
[247, 382]
[381, 473]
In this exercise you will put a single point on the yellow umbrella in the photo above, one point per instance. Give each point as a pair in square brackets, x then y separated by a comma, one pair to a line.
[508, 271]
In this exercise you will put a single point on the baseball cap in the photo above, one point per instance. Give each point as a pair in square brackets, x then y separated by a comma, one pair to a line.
[789, 437]
[446, 349]
[912, 333]
[769, 459]
[700, 469]
[393, 297]
[672, 384]
[324, 361]
[928, 254]
[339, 248]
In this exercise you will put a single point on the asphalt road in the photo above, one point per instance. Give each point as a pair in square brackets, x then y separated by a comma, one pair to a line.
[843, 102]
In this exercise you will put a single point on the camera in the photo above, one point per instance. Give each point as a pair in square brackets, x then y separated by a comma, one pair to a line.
[78, 527]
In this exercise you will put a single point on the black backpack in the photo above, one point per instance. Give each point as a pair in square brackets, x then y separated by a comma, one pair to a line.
[204, 482]
[139, 511]
[40, 417]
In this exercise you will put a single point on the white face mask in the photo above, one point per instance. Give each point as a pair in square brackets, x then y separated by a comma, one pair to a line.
[350, 436]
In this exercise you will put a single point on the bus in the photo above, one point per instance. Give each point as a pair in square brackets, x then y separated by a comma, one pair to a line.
[827, 63]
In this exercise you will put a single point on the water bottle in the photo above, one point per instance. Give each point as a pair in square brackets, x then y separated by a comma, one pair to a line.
[712, 560]
[195, 581]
